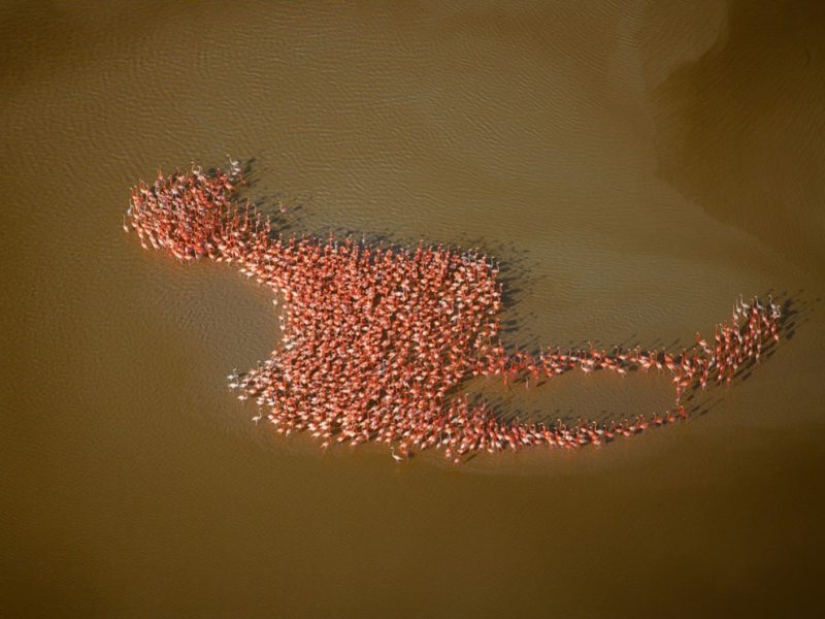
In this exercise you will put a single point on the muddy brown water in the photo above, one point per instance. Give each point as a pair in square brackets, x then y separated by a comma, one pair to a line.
[637, 164]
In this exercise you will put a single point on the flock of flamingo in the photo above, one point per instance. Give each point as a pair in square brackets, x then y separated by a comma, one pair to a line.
[376, 340]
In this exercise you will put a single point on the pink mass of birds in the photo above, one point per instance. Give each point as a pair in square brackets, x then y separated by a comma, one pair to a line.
[376, 340]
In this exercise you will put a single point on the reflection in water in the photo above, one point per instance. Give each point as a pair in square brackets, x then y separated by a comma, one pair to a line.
[634, 164]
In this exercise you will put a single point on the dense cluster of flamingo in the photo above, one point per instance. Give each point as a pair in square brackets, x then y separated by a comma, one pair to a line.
[375, 340]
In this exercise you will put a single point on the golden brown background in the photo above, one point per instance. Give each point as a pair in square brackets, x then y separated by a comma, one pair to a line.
[637, 164]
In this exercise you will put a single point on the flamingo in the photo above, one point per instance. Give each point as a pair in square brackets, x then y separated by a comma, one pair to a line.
[402, 329]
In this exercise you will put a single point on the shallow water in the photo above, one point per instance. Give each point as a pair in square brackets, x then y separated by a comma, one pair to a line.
[635, 165]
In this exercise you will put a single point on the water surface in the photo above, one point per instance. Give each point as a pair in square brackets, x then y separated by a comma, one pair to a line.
[637, 165]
